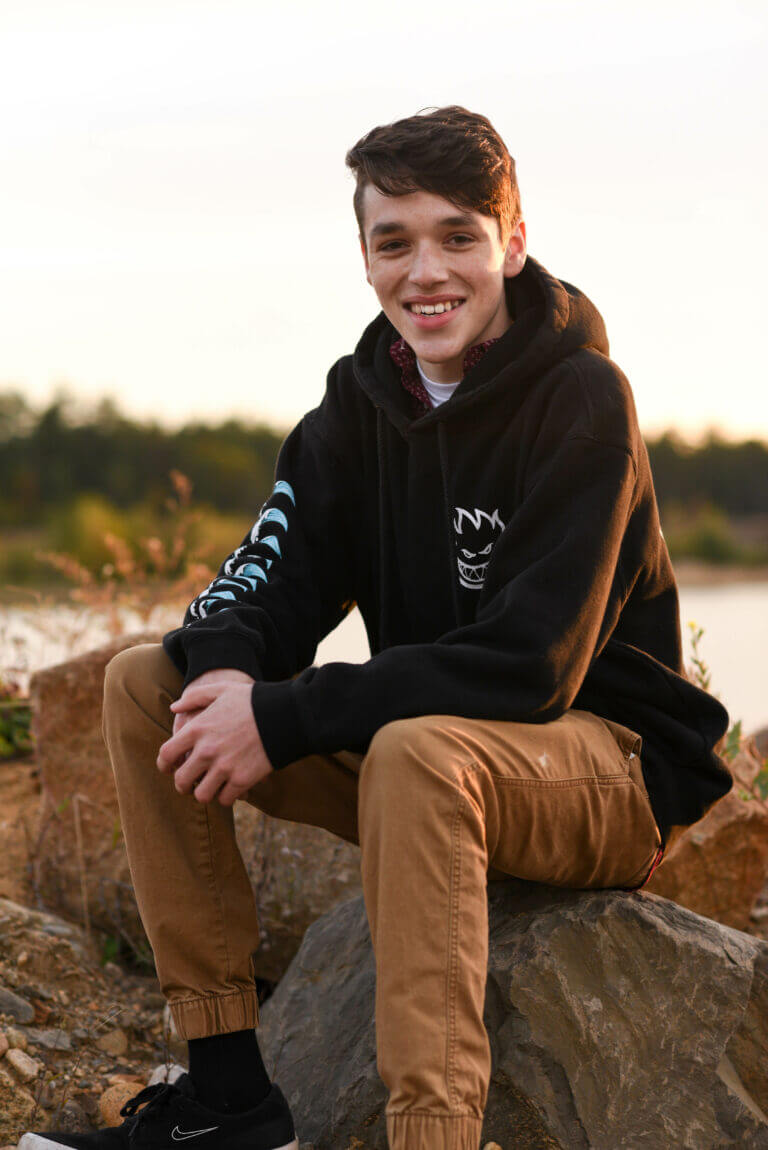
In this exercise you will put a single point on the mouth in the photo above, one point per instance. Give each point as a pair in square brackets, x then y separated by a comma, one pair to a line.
[472, 575]
[432, 315]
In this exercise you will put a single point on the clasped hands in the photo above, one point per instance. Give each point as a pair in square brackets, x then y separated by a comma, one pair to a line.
[215, 751]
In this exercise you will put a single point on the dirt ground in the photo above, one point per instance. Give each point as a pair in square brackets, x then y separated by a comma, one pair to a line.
[106, 1021]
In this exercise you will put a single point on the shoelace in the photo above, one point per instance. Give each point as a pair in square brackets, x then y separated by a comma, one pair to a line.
[156, 1096]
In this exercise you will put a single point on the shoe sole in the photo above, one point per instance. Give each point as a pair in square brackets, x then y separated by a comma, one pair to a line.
[38, 1142]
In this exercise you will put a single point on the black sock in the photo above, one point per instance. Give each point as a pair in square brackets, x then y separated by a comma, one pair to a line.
[228, 1071]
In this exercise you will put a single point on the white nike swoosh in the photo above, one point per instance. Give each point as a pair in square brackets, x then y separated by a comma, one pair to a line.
[180, 1135]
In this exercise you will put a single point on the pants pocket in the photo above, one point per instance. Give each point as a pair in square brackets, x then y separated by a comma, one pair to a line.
[631, 745]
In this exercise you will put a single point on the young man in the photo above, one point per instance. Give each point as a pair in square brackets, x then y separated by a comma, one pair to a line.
[475, 480]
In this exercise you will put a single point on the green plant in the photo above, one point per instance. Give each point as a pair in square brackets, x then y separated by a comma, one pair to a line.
[701, 674]
[15, 720]
[138, 576]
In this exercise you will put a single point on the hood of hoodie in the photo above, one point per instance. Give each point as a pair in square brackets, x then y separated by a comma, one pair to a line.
[551, 320]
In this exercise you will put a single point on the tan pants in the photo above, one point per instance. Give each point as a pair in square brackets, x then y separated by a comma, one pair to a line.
[438, 805]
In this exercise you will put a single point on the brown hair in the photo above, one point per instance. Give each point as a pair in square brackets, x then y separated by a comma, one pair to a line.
[449, 151]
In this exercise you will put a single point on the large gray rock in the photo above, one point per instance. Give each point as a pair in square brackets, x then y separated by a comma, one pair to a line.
[616, 1020]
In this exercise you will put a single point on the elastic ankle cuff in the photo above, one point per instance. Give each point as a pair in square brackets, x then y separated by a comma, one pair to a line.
[409, 1131]
[215, 1013]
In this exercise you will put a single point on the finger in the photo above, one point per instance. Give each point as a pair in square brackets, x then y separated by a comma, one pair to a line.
[195, 698]
[229, 793]
[172, 750]
[190, 774]
[208, 787]
[183, 718]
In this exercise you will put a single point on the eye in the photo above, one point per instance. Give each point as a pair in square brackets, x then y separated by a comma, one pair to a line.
[390, 245]
[487, 550]
[461, 240]
[467, 554]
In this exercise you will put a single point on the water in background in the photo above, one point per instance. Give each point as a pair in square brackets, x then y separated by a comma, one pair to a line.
[735, 642]
[735, 621]
[734, 617]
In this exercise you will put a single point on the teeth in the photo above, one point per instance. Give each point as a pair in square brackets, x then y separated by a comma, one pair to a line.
[434, 309]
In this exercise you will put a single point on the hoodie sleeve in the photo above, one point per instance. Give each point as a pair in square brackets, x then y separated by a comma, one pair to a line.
[284, 588]
[553, 593]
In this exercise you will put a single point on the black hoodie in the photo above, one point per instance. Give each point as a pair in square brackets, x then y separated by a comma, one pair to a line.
[504, 550]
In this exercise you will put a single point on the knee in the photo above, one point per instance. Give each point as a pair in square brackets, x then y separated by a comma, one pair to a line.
[139, 670]
[424, 743]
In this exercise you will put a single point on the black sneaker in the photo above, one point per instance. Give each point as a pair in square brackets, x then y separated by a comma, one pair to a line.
[172, 1116]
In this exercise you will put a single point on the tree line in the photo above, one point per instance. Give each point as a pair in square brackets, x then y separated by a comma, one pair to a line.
[70, 473]
[50, 457]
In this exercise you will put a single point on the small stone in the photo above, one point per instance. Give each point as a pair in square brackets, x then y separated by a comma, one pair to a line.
[4, 1043]
[112, 969]
[16, 1007]
[113, 1099]
[492, 1146]
[130, 1079]
[26, 1068]
[17, 1039]
[49, 1039]
[63, 998]
[16, 1104]
[72, 1119]
[114, 1042]
[23, 958]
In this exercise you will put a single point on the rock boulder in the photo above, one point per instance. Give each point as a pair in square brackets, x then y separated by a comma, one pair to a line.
[616, 1020]
[719, 866]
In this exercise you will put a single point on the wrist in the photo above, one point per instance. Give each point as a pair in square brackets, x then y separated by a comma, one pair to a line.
[223, 675]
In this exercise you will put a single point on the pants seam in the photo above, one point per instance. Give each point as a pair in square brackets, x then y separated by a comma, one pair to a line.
[455, 1116]
[593, 780]
[619, 778]
[217, 892]
[208, 839]
[453, 943]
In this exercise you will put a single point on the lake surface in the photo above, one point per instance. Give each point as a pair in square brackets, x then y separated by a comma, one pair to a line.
[735, 643]
[734, 617]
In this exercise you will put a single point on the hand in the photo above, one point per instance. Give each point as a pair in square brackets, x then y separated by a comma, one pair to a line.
[219, 752]
[219, 675]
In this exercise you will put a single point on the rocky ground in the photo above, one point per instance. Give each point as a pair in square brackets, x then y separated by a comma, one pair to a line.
[78, 1036]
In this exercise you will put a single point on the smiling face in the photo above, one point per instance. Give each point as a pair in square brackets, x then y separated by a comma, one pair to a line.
[438, 272]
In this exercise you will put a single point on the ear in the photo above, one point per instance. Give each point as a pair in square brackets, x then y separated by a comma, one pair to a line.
[365, 259]
[515, 253]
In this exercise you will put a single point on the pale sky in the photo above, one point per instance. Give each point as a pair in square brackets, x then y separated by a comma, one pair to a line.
[176, 228]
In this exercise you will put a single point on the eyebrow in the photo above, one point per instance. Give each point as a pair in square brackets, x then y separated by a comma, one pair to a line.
[386, 229]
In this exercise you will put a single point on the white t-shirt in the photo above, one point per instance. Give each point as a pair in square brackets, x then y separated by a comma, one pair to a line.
[437, 392]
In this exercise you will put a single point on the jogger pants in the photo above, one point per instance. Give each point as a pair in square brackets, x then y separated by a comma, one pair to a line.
[439, 805]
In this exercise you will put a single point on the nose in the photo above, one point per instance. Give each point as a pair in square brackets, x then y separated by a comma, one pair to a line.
[427, 265]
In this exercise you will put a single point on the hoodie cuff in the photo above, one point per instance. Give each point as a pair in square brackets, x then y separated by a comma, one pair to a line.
[279, 721]
[211, 653]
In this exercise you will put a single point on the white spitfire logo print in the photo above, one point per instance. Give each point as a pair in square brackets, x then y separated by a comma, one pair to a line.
[476, 533]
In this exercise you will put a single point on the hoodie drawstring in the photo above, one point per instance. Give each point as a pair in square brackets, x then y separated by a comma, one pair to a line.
[448, 519]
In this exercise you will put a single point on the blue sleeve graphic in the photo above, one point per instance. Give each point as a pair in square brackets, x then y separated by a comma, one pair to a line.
[249, 565]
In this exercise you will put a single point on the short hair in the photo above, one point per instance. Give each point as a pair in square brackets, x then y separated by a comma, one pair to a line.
[449, 151]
